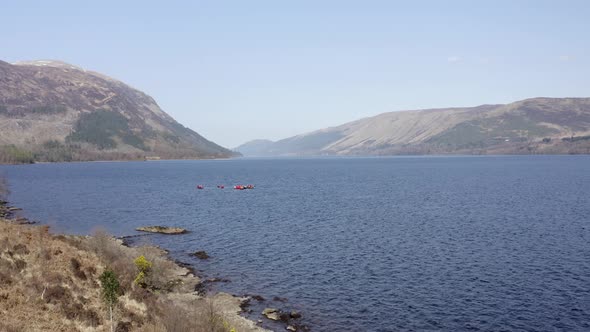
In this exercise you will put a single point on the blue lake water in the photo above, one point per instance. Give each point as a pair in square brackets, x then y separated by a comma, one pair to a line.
[357, 244]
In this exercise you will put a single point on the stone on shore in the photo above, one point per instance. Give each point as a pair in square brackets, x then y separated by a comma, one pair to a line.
[24, 221]
[271, 313]
[290, 328]
[162, 229]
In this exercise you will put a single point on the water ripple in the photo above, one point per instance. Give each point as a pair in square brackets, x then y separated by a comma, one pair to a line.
[360, 244]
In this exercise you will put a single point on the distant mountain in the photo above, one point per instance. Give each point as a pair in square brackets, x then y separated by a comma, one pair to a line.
[258, 147]
[54, 111]
[538, 125]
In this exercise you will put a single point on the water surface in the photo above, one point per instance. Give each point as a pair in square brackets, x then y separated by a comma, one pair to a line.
[357, 244]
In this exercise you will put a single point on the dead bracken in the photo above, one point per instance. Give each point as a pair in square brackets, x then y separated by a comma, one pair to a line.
[52, 283]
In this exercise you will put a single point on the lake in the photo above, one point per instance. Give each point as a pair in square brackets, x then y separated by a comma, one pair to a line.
[357, 244]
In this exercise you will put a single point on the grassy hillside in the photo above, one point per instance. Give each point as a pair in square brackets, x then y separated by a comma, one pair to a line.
[539, 125]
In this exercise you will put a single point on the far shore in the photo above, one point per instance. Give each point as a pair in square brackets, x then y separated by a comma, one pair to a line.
[115, 161]
[450, 155]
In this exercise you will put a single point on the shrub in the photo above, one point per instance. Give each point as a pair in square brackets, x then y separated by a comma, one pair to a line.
[102, 244]
[205, 316]
[76, 268]
[143, 266]
[20, 249]
[20, 264]
[5, 279]
[57, 294]
[161, 274]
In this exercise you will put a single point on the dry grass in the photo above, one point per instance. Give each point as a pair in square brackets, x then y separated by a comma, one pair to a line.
[50, 283]
[203, 315]
[40, 291]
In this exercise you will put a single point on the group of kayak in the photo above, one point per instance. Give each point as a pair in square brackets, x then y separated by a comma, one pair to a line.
[243, 187]
[236, 187]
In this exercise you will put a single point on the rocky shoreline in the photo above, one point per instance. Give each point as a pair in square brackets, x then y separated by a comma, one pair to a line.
[281, 318]
[183, 287]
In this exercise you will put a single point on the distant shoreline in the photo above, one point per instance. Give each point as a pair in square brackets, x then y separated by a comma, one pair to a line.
[307, 157]
[114, 161]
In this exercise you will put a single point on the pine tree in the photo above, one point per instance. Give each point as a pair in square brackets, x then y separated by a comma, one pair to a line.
[110, 290]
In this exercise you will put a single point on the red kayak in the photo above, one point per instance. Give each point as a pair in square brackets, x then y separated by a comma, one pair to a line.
[242, 187]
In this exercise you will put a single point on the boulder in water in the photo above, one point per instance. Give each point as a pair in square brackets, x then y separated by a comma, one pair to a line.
[258, 298]
[271, 313]
[201, 254]
[162, 229]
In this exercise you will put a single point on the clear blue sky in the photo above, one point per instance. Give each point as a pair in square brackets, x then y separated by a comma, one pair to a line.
[239, 70]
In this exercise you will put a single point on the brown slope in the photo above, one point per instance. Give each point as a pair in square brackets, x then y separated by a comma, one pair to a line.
[46, 101]
[537, 125]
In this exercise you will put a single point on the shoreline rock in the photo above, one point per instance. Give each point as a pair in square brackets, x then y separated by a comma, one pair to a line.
[295, 314]
[162, 230]
[272, 314]
[256, 297]
[24, 221]
[201, 254]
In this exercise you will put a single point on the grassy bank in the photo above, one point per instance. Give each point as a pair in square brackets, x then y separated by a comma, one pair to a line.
[54, 282]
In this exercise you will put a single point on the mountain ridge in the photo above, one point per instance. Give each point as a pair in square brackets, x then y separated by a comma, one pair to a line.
[54, 111]
[534, 125]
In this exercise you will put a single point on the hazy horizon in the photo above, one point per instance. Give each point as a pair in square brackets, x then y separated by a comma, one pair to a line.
[235, 71]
